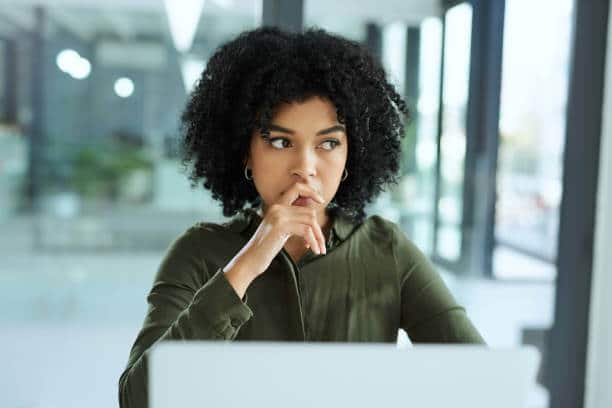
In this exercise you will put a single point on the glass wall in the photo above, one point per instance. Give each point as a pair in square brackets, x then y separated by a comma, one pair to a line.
[455, 87]
[532, 132]
[91, 188]
[421, 182]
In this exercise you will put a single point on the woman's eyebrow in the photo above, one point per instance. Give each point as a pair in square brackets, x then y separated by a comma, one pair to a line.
[335, 128]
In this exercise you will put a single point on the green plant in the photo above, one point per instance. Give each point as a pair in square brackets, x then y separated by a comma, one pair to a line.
[98, 171]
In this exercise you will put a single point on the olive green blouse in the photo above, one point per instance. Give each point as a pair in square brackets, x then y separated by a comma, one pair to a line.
[371, 282]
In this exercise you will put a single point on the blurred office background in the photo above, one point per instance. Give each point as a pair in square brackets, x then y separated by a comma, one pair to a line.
[91, 192]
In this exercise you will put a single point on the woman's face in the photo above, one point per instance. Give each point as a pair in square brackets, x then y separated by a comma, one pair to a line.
[306, 144]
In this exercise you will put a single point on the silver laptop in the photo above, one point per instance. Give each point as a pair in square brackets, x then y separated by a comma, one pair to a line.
[355, 375]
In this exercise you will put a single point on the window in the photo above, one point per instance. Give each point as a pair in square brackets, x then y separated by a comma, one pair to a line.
[531, 137]
[455, 87]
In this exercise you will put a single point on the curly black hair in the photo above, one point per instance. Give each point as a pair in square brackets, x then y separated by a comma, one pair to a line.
[248, 77]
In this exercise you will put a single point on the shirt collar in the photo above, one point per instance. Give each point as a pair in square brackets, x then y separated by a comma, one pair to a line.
[248, 219]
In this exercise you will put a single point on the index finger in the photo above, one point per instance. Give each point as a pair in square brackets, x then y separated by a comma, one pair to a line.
[300, 190]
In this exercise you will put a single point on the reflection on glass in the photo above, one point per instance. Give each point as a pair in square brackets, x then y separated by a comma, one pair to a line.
[394, 53]
[412, 203]
[458, 26]
[422, 202]
[532, 126]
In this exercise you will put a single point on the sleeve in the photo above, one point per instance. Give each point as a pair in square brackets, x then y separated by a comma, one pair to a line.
[184, 303]
[429, 312]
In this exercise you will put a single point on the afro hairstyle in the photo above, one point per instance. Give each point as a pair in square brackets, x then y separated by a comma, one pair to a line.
[248, 77]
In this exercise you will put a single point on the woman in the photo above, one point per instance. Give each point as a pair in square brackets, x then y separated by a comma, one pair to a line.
[306, 129]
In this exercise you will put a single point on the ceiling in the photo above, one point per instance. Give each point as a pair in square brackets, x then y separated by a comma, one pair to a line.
[131, 19]
[139, 28]
[124, 19]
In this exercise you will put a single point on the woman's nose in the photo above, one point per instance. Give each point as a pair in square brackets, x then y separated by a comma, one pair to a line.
[306, 164]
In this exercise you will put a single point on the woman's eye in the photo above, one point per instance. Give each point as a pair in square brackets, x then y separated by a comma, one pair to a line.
[331, 143]
[279, 142]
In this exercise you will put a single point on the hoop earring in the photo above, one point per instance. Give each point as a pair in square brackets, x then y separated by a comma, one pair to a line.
[345, 174]
[246, 175]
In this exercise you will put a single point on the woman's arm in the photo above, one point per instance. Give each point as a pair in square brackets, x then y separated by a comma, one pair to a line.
[186, 302]
[429, 312]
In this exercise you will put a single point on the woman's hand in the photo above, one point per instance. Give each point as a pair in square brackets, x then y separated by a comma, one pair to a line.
[295, 213]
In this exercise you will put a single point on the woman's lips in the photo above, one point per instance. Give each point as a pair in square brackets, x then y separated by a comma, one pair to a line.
[303, 201]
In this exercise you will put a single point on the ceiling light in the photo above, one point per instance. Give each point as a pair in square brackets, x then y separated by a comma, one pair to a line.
[124, 87]
[183, 18]
[191, 68]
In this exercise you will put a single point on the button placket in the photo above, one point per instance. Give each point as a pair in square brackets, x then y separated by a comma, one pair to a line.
[294, 273]
[304, 297]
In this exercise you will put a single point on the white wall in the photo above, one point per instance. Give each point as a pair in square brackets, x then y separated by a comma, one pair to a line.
[598, 393]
